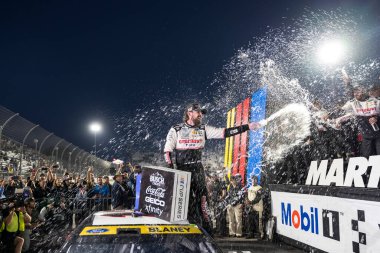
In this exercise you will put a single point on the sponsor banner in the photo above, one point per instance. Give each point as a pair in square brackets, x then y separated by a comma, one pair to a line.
[227, 162]
[164, 193]
[237, 137]
[256, 138]
[138, 188]
[244, 140]
[359, 172]
[328, 223]
[113, 230]
[244, 145]
[182, 197]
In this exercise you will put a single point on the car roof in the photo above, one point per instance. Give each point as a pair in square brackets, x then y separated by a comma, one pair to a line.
[128, 217]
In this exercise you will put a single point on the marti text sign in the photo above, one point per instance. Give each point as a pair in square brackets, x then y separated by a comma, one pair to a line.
[354, 174]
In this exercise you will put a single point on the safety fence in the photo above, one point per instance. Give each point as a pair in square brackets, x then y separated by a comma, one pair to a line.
[29, 139]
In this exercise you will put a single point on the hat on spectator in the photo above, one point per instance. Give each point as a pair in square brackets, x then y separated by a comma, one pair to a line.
[117, 175]
[237, 177]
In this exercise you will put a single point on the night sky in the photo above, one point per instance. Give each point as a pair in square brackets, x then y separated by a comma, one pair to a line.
[65, 63]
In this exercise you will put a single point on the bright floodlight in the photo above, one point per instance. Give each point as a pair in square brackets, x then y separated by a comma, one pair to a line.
[95, 127]
[331, 52]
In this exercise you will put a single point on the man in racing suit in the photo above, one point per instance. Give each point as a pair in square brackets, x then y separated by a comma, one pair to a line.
[365, 110]
[188, 139]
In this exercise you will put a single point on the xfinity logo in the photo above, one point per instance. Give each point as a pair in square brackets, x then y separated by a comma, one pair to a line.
[157, 179]
[357, 167]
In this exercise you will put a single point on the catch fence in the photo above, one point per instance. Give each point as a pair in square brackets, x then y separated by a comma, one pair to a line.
[32, 139]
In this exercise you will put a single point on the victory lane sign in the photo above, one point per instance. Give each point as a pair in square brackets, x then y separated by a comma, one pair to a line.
[164, 193]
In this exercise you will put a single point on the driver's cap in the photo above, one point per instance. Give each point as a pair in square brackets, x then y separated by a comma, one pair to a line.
[196, 107]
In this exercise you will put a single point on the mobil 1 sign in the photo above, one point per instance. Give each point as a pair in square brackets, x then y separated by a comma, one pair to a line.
[164, 193]
[331, 224]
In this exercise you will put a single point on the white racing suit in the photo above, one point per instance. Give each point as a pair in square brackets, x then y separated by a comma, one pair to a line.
[188, 142]
[362, 111]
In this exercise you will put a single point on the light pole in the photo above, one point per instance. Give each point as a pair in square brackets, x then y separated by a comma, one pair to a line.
[36, 152]
[56, 154]
[95, 127]
[69, 165]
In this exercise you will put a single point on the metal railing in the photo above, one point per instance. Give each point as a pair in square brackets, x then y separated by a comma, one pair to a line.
[44, 143]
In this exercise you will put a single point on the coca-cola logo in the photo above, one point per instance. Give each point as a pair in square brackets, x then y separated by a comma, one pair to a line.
[157, 179]
[159, 192]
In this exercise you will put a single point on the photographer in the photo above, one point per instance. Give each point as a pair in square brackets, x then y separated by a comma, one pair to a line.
[30, 207]
[15, 219]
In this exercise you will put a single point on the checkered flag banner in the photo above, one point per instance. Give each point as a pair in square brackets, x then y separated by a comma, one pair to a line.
[360, 241]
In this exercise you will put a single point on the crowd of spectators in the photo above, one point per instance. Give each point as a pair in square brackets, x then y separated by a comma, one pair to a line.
[10, 157]
[238, 210]
[35, 206]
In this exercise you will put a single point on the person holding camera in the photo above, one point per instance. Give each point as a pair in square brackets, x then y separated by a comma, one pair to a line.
[30, 207]
[15, 219]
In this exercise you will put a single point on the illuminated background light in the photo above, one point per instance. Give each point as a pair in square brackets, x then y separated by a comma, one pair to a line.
[331, 52]
[95, 127]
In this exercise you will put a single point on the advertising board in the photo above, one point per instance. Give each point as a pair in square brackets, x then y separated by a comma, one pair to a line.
[164, 193]
[328, 223]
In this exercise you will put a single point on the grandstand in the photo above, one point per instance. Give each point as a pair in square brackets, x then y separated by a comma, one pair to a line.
[25, 145]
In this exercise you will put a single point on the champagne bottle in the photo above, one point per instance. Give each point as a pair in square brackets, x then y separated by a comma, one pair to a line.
[375, 127]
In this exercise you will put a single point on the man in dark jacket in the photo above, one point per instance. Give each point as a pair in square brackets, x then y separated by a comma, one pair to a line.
[118, 192]
[41, 191]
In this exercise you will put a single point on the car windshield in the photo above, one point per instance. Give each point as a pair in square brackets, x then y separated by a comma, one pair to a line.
[143, 243]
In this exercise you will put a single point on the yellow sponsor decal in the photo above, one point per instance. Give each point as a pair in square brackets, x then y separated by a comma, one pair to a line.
[112, 230]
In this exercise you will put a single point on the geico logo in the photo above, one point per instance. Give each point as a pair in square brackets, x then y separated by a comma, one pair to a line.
[301, 218]
[155, 201]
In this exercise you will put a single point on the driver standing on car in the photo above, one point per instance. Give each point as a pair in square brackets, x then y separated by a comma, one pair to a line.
[188, 139]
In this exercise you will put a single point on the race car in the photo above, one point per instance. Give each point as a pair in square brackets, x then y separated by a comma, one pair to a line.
[128, 231]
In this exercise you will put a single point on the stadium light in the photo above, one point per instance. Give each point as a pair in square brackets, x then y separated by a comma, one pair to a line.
[331, 52]
[95, 127]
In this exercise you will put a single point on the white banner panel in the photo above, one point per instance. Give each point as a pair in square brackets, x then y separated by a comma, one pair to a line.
[328, 223]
